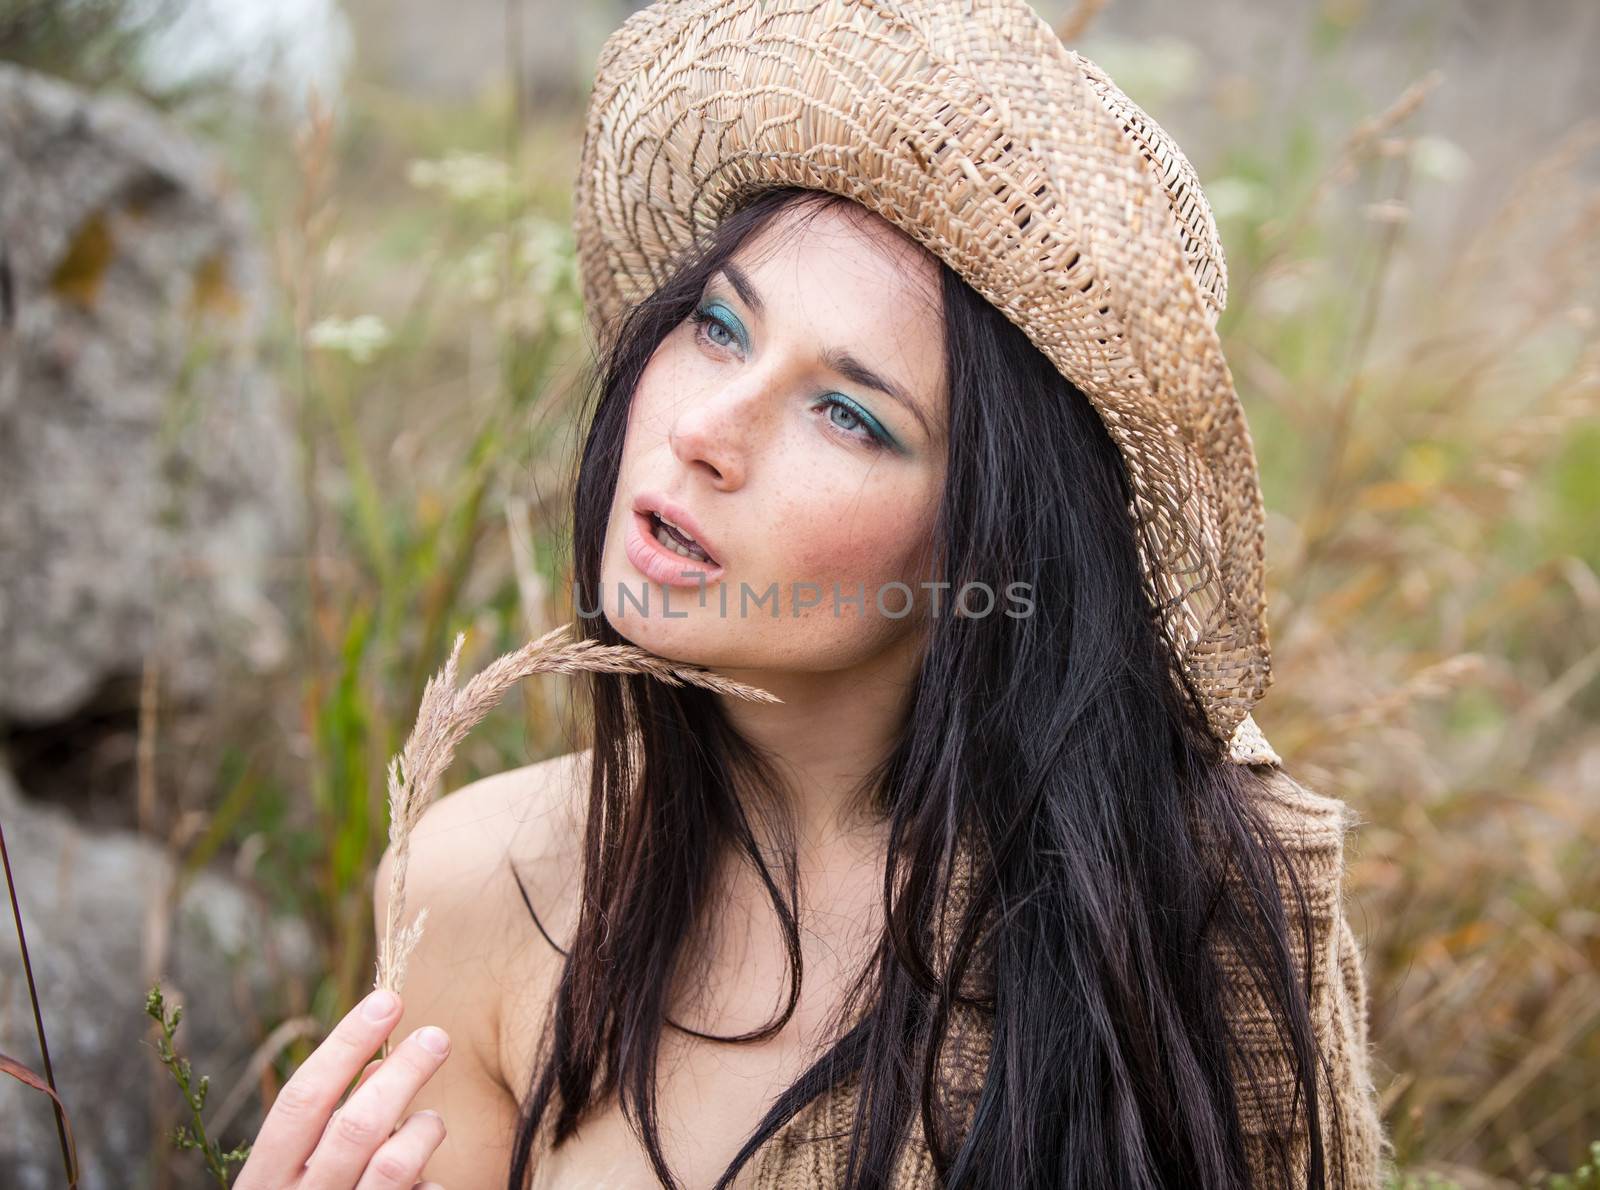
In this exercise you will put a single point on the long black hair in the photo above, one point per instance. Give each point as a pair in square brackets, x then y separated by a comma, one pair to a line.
[1065, 746]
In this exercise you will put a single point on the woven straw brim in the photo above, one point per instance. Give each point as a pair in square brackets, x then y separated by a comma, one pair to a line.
[973, 129]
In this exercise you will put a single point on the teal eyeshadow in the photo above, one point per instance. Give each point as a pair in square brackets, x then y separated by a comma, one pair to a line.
[889, 439]
[737, 327]
[738, 330]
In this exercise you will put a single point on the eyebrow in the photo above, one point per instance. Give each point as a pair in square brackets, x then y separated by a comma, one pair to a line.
[841, 361]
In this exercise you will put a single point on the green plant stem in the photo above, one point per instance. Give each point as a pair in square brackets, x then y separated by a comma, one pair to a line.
[194, 1095]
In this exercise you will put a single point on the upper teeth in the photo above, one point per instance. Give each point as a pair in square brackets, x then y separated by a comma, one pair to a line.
[665, 538]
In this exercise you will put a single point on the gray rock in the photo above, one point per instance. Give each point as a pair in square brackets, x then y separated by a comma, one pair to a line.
[147, 471]
[86, 902]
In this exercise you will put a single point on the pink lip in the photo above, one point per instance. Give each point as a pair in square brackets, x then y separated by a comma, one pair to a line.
[647, 502]
[653, 559]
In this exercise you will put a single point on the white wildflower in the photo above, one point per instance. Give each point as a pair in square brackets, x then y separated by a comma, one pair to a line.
[1234, 197]
[480, 268]
[1438, 158]
[546, 253]
[360, 338]
[463, 177]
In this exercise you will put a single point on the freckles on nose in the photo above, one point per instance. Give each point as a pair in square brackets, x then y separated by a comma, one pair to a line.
[730, 424]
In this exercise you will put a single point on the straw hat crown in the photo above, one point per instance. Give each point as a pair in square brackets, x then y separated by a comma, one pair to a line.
[968, 125]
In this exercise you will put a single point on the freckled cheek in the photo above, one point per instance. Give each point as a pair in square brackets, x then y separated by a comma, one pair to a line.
[871, 541]
[649, 420]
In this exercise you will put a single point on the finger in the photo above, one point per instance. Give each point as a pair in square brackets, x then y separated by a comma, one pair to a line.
[299, 1115]
[366, 1073]
[399, 1160]
[365, 1122]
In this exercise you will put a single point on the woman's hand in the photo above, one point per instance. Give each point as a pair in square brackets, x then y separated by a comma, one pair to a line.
[305, 1144]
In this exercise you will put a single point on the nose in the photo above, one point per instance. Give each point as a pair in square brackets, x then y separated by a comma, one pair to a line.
[715, 432]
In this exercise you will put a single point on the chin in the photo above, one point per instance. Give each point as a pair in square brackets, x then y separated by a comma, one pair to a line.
[682, 638]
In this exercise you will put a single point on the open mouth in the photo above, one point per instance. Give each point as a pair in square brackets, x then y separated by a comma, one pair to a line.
[675, 539]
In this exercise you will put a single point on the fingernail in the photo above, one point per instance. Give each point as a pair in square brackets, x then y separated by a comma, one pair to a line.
[428, 1111]
[434, 1040]
[378, 1005]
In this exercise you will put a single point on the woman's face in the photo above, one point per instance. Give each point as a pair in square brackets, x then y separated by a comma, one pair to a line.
[794, 425]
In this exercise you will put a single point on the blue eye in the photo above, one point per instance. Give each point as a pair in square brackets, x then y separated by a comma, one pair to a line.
[857, 419]
[706, 323]
[859, 426]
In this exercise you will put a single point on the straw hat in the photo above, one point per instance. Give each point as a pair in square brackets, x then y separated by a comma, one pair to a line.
[968, 125]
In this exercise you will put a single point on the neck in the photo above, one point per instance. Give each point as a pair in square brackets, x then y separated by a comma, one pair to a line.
[827, 734]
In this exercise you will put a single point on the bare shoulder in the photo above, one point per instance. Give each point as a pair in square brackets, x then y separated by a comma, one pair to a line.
[466, 841]
[476, 947]
[474, 854]
[482, 810]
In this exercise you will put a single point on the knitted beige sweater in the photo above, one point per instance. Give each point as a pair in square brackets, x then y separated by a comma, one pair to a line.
[807, 1154]
[1312, 828]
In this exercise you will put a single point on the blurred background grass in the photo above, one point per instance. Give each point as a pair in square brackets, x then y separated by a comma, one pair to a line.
[1414, 326]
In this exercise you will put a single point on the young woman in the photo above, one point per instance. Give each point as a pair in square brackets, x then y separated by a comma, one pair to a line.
[1006, 891]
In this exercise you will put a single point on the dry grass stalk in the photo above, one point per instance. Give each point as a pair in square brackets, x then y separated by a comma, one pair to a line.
[445, 716]
[276, 1042]
[1077, 22]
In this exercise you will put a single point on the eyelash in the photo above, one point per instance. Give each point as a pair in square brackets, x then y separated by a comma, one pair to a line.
[703, 320]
